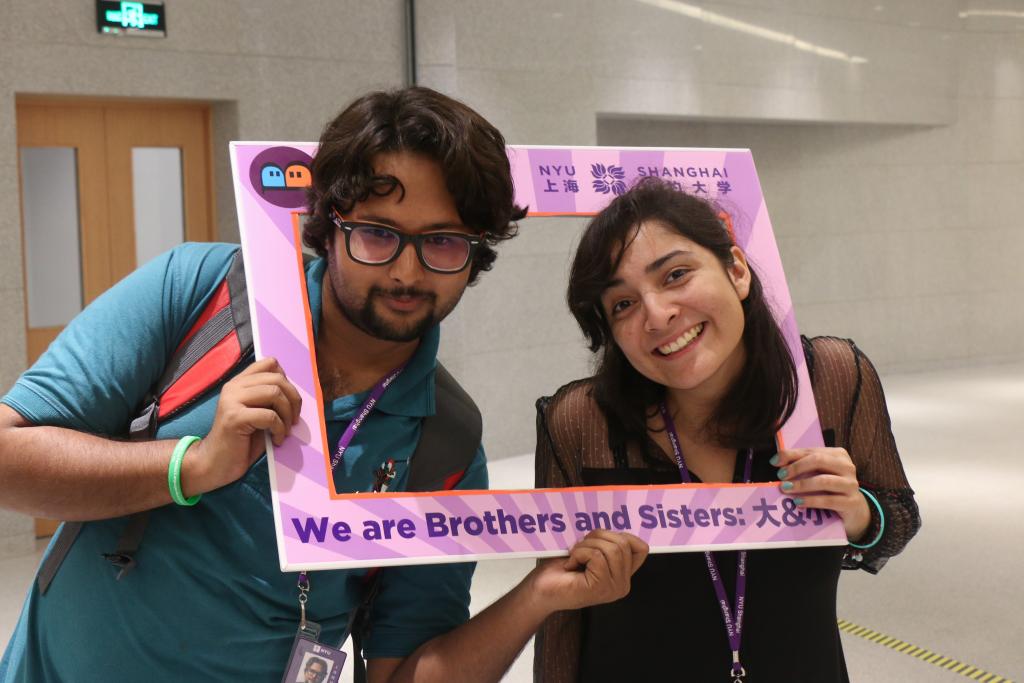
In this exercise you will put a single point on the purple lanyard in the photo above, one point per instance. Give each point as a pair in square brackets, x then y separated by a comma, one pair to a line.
[343, 443]
[361, 414]
[733, 626]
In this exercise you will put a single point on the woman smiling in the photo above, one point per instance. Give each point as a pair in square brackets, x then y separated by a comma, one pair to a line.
[693, 381]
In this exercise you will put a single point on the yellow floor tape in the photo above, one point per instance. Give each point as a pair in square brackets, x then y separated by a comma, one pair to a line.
[956, 666]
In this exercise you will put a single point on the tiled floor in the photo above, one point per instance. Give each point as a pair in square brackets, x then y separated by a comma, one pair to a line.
[954, 591]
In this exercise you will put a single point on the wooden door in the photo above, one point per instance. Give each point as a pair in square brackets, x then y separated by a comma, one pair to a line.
[80, 129]
[102, 147]
[133, 128]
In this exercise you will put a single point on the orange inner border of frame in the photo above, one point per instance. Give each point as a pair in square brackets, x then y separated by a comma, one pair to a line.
[334, 495]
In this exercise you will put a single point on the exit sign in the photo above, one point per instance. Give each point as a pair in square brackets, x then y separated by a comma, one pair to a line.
[131, 18]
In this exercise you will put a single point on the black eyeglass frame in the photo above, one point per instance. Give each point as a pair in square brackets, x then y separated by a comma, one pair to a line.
[347, 227]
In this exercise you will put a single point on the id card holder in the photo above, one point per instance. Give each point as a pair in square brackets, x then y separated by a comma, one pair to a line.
[310, 661]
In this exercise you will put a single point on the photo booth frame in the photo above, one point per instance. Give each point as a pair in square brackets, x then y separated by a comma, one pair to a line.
[319, 527]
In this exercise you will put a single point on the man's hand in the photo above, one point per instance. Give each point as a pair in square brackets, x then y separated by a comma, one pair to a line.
[257, 400]
[598, 570]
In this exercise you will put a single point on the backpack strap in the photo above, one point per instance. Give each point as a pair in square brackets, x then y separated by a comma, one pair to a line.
[128, 544]
[218, 341]
[66, 536]
[449, 440]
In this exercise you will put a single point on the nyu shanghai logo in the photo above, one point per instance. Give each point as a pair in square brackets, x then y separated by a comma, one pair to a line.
[616, 178]
[609, 178]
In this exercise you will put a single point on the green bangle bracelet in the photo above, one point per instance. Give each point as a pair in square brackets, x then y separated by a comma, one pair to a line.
[881, 522]
[174, 472]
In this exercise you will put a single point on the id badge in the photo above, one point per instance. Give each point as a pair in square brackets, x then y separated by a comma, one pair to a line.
[312, 662]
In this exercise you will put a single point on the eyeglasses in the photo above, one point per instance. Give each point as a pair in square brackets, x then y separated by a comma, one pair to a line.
[375, 244]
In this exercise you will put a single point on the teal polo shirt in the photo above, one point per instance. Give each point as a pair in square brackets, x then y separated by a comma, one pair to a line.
[208, 600]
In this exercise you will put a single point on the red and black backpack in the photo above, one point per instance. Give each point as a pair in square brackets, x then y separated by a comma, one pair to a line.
[217, 344]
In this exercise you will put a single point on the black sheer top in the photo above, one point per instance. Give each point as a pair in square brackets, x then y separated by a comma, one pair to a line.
[670, 626]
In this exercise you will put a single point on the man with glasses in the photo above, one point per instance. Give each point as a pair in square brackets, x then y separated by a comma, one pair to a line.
[411, 191]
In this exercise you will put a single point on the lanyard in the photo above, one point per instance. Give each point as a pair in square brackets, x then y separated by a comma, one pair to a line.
[308, 627]
[361, 414]
[733, 618]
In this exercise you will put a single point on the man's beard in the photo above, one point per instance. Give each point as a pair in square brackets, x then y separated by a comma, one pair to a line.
[363, 313]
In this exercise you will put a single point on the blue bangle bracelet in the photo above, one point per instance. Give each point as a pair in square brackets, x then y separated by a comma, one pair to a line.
[881, 522]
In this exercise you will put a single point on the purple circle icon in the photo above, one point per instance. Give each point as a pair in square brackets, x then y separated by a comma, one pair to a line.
[281, 175]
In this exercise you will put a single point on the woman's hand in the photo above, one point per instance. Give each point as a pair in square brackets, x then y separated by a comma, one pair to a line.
[825, 478]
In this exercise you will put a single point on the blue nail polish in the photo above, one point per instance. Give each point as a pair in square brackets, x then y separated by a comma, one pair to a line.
[774, 460]
[798, 501]
[787, 486]
[782, 473]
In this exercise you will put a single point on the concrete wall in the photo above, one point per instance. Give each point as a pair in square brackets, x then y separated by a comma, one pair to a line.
[887, 136]
[889, 180]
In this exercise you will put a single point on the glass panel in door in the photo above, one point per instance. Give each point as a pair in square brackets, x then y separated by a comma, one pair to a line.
[53, 267]
[157, 201]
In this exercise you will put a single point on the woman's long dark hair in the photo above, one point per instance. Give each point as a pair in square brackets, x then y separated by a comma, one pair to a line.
[763, 396]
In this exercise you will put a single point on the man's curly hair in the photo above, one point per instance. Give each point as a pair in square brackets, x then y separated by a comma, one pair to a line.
[469, 150]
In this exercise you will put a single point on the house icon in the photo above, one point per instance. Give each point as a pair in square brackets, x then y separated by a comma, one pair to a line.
[297, 175]
[272, 177]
